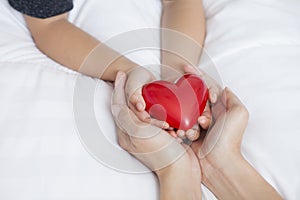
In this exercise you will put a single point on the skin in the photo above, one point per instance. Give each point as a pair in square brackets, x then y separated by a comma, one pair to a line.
[72, 47]
[223, 169]
[187, 18]
[156, 149]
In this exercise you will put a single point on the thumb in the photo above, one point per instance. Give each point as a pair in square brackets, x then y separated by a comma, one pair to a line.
[235, 107]
[137, 100]
[118, 97]
[230, 99]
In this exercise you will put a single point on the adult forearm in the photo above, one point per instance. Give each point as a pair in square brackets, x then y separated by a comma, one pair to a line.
[185, 34]
[179, 188]
[237, 179]
[180, 182]
[77, 50]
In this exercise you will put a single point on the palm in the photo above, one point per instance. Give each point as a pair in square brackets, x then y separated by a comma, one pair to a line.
[230, 118]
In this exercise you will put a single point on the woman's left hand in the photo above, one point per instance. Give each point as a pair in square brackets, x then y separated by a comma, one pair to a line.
[175, 164]
[152, 145]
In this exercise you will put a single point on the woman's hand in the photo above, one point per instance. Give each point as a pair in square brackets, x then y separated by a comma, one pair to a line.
[224, 170]
[137, 78]
[175, 164]
[223, 139]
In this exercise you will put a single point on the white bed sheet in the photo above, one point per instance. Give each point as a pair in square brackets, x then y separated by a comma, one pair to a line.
[254, 44]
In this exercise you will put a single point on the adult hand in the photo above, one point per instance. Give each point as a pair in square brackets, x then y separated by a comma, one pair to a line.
[227, 117]
[224, 170]
[223, 139]
[175, 164]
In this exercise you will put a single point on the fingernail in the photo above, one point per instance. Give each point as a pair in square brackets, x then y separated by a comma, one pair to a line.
[140, 106]
[214, 97]
[166, 125]
[202, 121]
[180, 133]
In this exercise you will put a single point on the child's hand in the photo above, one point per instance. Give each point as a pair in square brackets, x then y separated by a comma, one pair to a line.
[137, 78]
[205, 119]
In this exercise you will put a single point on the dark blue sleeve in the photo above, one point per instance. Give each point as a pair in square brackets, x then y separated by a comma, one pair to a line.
[42, 8]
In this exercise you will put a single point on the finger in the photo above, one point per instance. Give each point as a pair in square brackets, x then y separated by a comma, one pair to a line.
[159, 123]
[230, 99]
[181, 134]
[192, 134]
[136, 79]
[137, 100]
[142, 115]
[204, 122]
[206, 118]
[118, 98]
[214, 92]
[129, 122]
[173, 133]
[119, 92]
[234, 105]
[213, 87]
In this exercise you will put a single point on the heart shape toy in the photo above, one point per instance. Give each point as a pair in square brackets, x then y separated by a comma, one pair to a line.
[179, 104]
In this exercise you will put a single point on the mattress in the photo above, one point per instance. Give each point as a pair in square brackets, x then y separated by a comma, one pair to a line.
[251, 46]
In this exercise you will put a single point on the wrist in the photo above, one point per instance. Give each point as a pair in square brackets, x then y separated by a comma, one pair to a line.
[141, 72]
[218, 165]
[180, 180]
[220, 176]
[235, 178]
[171, 74]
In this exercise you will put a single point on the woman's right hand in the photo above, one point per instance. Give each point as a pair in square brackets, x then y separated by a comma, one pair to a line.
[229, 119]
[224, 170]
[223, 140]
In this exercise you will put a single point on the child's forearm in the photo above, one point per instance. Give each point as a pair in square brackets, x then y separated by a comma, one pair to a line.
[186, 17]
[75, 49]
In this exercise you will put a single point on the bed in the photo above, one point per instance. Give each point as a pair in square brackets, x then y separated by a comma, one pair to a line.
[255, 48]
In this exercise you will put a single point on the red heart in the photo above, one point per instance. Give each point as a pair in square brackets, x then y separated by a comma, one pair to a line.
[178, 104]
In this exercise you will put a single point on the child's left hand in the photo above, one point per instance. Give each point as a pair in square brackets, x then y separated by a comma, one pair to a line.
[137, 78]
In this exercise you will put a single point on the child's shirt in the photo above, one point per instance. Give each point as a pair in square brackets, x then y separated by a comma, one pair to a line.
[42, 8]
